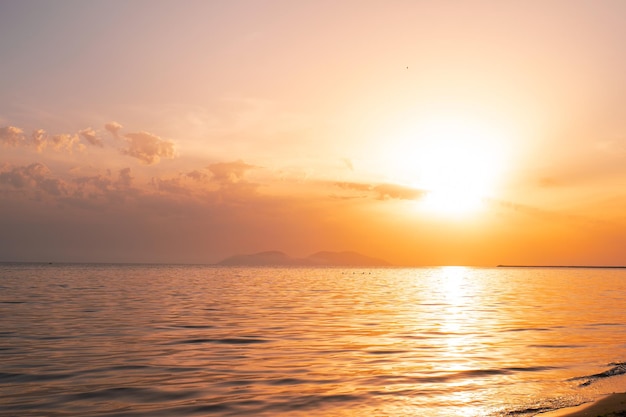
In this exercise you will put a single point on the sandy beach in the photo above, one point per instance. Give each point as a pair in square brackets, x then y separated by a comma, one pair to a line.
[611, 406]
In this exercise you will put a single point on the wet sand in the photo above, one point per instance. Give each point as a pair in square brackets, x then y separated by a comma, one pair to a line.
[611, 406]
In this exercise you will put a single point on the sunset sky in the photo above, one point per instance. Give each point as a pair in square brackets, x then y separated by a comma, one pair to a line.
[421, 132]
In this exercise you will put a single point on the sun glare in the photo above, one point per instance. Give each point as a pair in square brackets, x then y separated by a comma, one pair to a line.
[456, 161]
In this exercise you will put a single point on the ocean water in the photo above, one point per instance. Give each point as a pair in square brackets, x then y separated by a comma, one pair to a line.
[155, 340]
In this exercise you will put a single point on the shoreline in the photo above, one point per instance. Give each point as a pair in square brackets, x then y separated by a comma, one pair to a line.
[613, 405]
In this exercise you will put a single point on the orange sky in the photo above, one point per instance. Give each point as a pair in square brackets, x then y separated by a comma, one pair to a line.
[422, 132]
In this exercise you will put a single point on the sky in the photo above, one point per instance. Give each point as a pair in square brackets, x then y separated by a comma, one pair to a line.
[420, 132]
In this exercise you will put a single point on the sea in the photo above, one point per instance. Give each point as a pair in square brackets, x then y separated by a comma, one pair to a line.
[194, 340]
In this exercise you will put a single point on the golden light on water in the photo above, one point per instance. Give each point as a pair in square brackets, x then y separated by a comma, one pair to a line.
[458, 292]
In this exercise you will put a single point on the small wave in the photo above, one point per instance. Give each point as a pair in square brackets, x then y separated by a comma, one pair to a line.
[10, 377]
[136, 394]
[225, 341]
[256, 407]
[500, 371]
[212, 408]
[386, 352]
[537, 408]
[442, 378]
[556, 346]
[287, 381]
[305, 402]
[528, 329]
[618, 368]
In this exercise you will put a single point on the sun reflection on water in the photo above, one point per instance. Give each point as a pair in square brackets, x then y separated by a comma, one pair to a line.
[462, 354]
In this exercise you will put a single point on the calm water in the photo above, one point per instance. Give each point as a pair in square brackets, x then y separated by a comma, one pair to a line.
[149, 340]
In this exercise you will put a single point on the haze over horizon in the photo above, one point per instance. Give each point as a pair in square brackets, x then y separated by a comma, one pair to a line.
[422, 133]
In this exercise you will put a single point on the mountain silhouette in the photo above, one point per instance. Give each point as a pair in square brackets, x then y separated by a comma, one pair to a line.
[324, 258]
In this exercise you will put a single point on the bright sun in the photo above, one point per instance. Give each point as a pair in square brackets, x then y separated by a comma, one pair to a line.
[456, 161]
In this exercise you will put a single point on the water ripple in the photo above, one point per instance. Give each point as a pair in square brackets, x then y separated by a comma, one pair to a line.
[226, 341]
[165, 341]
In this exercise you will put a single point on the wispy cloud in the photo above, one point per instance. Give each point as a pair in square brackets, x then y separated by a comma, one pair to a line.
[383, 191]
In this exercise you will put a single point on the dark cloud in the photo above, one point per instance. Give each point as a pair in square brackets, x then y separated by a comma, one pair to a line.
[104, 188]
[89, 185]
[219, 183]
[174, 185]
[198, 175]
[35, 177]
[148, 148]
[36, 180]
[125, 179]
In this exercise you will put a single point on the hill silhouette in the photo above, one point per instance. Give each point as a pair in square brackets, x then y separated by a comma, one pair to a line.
[323, 258]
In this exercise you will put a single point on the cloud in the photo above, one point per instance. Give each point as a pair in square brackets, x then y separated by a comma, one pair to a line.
[12, 136]
[383, 191]
[39, 139]
[233, 187]
[102, 190]
[356, 186]
[197, 175]
[90, 136]
[125, 178]
[36, 180]
[399, 192]
[222, 182]
[229, 172]
[34, 176]
[148, 148]
[113, 128]
[66, 142]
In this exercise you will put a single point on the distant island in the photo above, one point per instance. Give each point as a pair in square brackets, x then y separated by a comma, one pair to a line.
[324, 258]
